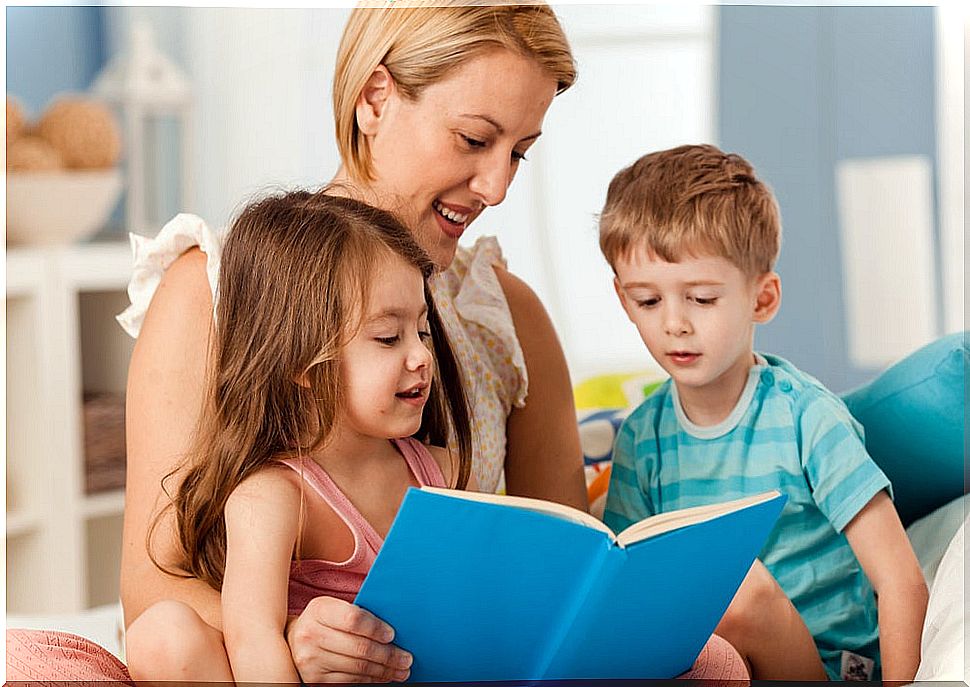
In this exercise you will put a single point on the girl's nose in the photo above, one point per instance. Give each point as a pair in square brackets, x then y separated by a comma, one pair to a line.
[419, 355]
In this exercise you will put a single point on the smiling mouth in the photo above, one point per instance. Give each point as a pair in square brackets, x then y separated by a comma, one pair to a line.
[414, 392]
[450, 215]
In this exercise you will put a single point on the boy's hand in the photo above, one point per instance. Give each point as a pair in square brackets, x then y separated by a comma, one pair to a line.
[336, 641]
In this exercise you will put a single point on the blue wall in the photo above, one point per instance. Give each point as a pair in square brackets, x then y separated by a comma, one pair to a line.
[52, 50]
[801, 88]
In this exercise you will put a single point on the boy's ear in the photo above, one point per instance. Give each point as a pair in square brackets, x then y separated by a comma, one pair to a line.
[373, 99]
[767, 297]
[621, 294]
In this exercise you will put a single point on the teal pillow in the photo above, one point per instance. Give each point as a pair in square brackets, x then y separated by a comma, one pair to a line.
[914, 415]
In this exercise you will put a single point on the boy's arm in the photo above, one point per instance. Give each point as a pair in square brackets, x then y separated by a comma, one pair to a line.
[878, 540]
[262, 520]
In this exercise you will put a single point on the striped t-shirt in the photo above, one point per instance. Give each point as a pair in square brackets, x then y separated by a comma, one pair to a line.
[787, 432]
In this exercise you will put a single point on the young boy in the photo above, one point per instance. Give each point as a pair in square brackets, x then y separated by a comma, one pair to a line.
[692, 236]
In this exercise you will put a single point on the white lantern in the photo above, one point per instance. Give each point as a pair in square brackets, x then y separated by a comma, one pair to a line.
[149, 90]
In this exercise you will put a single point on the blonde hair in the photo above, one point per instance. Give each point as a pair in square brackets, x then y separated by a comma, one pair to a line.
[293, 283]
[419, 44]
[689, 200]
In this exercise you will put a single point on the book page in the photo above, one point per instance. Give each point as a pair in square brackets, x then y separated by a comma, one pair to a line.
[673, 520]
[535, 505]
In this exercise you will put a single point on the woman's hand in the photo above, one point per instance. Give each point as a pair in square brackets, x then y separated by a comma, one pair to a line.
[336, 641]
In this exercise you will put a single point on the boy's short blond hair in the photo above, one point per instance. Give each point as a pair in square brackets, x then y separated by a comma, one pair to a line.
[692, 200]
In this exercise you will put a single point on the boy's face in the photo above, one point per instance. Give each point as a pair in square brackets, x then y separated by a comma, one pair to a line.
[696, 316]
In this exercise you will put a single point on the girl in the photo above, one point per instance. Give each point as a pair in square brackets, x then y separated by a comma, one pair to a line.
[322, 408]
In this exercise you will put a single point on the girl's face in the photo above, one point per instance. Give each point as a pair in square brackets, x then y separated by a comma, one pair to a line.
[387, 367]
[455, 150]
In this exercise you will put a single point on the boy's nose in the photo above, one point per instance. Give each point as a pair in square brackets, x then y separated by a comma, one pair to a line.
[676, 324]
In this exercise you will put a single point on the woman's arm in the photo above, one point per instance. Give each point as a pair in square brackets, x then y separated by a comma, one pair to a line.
[164, 396]
[879, 542]
[543, 456]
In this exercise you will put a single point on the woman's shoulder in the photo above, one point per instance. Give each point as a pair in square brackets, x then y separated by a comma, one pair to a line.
[184, 256]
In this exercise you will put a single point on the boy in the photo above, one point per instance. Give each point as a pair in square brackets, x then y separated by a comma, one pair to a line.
[692, 236]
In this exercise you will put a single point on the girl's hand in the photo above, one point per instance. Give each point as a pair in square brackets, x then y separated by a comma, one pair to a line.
[336, 641]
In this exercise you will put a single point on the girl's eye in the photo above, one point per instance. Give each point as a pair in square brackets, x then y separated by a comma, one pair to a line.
[648, 302]
[705, 301]
[424, 336]
[387, 340]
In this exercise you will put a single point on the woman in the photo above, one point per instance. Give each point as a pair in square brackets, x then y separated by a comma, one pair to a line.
[425, 128]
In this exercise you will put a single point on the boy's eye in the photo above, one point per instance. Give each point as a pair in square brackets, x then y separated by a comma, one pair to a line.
[387, 340]
[705, 301]
[648, 302]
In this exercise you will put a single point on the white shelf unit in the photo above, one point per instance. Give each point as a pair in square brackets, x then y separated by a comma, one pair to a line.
[63, 546]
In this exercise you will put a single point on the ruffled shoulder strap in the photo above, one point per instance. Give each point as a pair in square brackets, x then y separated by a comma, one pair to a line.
[152, 256]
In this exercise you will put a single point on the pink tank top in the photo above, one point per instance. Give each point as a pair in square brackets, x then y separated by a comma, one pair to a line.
[310, 578]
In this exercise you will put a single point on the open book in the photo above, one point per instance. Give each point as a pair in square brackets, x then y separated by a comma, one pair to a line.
[487, 587]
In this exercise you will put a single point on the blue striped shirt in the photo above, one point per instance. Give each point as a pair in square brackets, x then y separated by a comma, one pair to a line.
[789, 433]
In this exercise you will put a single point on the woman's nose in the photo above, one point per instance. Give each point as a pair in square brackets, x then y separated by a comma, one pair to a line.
[492, 177]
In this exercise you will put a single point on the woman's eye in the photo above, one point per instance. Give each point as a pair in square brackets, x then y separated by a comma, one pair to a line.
[387, 340]
[473, 142]
[518, 157]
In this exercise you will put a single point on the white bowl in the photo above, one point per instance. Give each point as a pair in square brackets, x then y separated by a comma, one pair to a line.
[51, 208]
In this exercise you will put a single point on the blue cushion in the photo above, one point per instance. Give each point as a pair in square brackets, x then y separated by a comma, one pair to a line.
[914, 417]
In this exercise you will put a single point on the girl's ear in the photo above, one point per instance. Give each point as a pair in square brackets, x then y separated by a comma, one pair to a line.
[373, 100]
[767, 297]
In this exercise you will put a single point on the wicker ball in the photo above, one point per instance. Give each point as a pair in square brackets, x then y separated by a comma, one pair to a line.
[84, 131]
[15, 120]
[32, 154]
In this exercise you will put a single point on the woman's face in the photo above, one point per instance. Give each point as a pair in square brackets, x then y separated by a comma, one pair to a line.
[454, 150]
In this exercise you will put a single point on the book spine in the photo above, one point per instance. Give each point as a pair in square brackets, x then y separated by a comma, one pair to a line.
[560, 630]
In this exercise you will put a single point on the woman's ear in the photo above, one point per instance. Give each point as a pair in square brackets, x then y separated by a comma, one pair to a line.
[373, 100]
[767, 297]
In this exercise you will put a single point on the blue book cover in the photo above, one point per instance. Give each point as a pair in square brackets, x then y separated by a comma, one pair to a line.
[484, 587]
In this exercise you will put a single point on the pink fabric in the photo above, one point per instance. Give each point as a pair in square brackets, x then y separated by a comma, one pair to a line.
[719, 663]
[46, 655]
[312, 578]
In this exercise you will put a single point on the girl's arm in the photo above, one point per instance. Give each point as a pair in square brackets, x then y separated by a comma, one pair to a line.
[877, 537]
[262, 521]
[543, 456]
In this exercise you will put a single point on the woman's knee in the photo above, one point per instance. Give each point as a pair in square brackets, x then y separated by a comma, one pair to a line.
[169, 640]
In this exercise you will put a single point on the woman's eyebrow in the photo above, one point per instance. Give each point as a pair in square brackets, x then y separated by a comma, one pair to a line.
[498, 127]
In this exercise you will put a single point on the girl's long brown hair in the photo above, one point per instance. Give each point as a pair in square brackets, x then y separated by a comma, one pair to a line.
[292, 286]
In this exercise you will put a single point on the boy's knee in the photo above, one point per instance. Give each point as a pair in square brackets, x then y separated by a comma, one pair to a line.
[166, 640]
[759, 600]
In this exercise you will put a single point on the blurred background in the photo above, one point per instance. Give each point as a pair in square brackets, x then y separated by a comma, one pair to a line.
[853, 115]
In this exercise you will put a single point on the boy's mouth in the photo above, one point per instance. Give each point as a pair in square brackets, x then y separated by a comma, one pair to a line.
[683, 357]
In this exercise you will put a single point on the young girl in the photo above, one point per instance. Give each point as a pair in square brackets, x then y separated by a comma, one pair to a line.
[322, 409]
